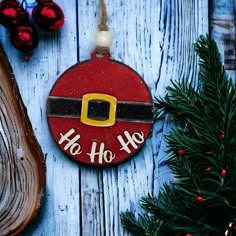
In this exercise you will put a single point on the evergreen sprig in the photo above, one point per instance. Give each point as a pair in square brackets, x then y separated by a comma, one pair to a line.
[202, 155]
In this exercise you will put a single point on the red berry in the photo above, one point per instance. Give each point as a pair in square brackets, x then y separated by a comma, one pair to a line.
[208, 153]
[181, 151]
[189, 234]
[222, 136]
[223, 173]
[208, 169]
[180, 113]
[200, 198]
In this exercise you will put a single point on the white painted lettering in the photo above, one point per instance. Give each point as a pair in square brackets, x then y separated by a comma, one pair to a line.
[103, 155]
[133, 140]
[72, 145]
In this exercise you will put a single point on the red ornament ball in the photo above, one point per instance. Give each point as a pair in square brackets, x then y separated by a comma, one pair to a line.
[24, 38]
[180, 113]
[189, 234]
[223, 173]
[200, 198]
[12, 14]
[181, 151]
[208, 169]
[48, 16]
[222, 136]
[26, 58]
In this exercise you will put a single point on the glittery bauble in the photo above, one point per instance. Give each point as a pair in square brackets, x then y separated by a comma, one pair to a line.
[12, 14]
[48, 16]
[24, 38]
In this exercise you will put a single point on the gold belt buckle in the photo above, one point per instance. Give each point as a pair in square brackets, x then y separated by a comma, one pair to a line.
[94, 122]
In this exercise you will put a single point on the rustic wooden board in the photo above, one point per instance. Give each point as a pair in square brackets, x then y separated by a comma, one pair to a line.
[56, 52]
[223, 30]
[152, 36]
[157, 33]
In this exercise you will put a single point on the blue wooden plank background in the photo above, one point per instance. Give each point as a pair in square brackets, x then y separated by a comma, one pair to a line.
[155, 38]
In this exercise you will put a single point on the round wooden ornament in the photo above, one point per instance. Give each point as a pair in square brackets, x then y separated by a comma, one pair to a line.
[100, 111]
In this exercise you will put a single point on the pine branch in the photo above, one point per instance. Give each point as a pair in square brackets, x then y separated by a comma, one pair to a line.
[202, 154]
[218, 92]
[186, 106]
[130, 222]
[171, 208]
[141, 225]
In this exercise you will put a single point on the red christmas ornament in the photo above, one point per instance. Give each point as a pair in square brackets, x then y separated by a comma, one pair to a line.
[48, 15]
[180, 113]
[189, 234]
[94, 118]
[24, 38]
[208, 169]
[200, 198]
[26, 57]
[223, 136]
[181, 151]
[12, 14]
[208, 153]
[223, 173]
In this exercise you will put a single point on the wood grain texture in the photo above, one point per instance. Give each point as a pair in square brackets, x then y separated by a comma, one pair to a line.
[223, 30]
[155, 38]
[56, 52]
[22, 166]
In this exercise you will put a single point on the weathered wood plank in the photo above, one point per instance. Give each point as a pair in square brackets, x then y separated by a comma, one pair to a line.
[223, 30]
[56, 52]
[155, 38]
[114, 181]
[180, 26]
[91, 185]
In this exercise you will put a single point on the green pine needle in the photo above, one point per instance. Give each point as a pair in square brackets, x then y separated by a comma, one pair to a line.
[129, 221]
[202, 155]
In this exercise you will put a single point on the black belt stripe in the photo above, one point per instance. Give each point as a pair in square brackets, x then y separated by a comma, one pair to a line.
[125, 111]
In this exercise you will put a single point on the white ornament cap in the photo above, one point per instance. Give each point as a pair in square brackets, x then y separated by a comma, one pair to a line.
[103, 39]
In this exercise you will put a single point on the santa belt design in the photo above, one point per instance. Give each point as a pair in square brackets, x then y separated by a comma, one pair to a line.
[96, 109]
